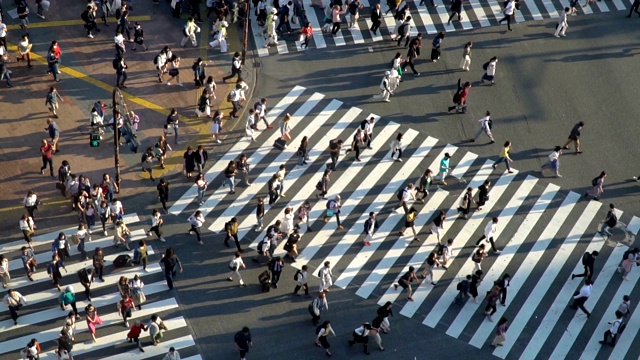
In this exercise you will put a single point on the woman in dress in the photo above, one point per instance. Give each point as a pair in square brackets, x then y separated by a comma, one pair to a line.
[396, 146]
[302, 152]
[189, 162]
[596, 190]
[92, 320]
[285, 128]
[466, 57]
[216, 126]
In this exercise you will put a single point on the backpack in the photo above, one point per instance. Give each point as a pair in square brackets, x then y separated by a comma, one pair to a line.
[460, 285]
[319, 186]
[490, 124]
[65, 343]
[585, 258]
[594, 182]
[229, 97]
[485, 66]
[402, 30]
[440, 251]
[85, 16]
[363, 124]
[298, 273]
[261, 245]
[115, 63]
[330, 204]
[156, 59]
[333, 144]
[613, 221]
[400, 193]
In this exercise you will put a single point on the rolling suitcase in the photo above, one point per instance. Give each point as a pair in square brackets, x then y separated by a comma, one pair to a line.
[121, 260]
[265, 281]
[280, 144]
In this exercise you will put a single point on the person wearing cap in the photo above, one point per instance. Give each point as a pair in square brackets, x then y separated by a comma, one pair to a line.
[361, 336]
[243, 342]
[554, 161]
[220, 38]
[173, 354]
[384, 86]
[272, 36]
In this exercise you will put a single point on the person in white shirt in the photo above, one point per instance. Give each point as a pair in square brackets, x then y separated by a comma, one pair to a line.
[220, 38]
[447, 253]
[370, 227]
[116, 210]
[489, 233]
[31, 203]
[173, 354]
[156, 223]
[234, 98]
[613, 330]
[302, 278]
[235, 266]
[508, 13]
[119, 43]
[196, 220]
[326, 277]
[14, 301]
[28, 228]
[582, 297]
[407, 194]
[202, 184]
[562, 25]
[385, 87]
[361, 336]
[368, 131]
[485, 127]
[189, 32]
[3, 34]
[4, 271]
[554, 161]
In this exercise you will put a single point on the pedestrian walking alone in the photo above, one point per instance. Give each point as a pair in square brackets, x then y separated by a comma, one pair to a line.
[492, 300]
[504, 157]
[301, 278]
[489, 233]
[361, 336]
[574, 136]
[609, 222]
[243, 342]
[333, 208]
[405, 282]
[503, 283]
[460, 98]
[322, 335]
[596, 190]
[465, 63]
[409, 223]
[501, 332]
[317, 305]
[436, 45]
[478, 256]
[580, 297]
[14, 301]
[562, 25]
[485, 127]
[508, 12]
[326, 277]
[490, 70]
[196, 221]
[456, 9]
[554, 162]
[465, 203]
[170, 261]
[234, 265]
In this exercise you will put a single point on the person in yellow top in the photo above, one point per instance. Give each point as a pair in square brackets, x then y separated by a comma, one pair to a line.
[504, 156]
[410, 223]
[322, 334]
[190, 30]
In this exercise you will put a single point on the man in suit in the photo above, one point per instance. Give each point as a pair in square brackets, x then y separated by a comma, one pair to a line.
[376, 19]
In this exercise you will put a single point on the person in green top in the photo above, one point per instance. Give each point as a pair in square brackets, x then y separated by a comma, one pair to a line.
[444, 168]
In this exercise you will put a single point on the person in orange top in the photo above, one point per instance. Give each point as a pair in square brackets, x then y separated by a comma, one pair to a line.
[307, 33]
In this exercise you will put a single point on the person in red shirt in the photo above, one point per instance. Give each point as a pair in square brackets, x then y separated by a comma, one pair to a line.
[460, 98]
[306, 35]
[134, 333]
[126, 306]
[46, 150]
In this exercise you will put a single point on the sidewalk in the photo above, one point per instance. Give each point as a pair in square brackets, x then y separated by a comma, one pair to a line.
[87, 76]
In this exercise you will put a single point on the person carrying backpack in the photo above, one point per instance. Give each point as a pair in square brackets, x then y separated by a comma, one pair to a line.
[588, 261]
[301, 278]
[333, 208]
[615, 329]
[463, 290]
[460, 97]
[609, 222]
[596, 189]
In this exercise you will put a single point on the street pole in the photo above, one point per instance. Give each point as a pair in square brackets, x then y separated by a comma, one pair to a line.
[116, 143]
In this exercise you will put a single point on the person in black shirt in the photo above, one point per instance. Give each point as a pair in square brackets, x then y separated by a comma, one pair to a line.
[170, 260]
[483, 194]
[574, 137]
[243, 341]
[163, 194]
[588, 261]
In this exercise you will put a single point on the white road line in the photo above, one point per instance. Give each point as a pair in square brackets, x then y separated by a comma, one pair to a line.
[356, 33]
[425, 17]
[318, 36]
[374, 37]
[157, 351]
[181, 204]
[602, 6]
[297, 172]
[436, 199]
[539, 292]
[110, 318]
[533, 8]
[282, 47]
[619, 5]
[604, 277]
[509, 251]
[49, 237]
[496, 8]
[109, 280]
[553, 13]
[444, 16]
[383, 198]
[634, 225]
[424, 289]
[56, 313]
[464, 165]
[593, 346]
[349, 204]
[481, 15]
[527, 266]
[257, 36]
[311, 127]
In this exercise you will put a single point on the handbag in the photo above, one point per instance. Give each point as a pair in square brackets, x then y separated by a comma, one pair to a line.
[45, 5]
[330, 213]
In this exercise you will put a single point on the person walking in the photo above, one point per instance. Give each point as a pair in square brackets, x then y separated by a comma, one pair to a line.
[465, 63]
[376, 19]
[476, 280]
[485, 127]
[336, 18]
[30, 203]
[156, 224]
[626, 265]
[460, 97]
[86, 278]
[465, 203]
[463, 290]
[403, 30]
[423, 185]
[588, 261]
[404, 196]
[396, 146]
[367, 127]
[361, 336]
[438, 224]
[504, 157]
[46, 152]
[170, 261]
[93, 319]
[121, 72]
[334, 148]
[562, 25]
[580, 297]
[326, 277]
[456, 9]
[243, 342]
[276, 265]
[201, 184]
[5, 73]
[163, 194]
[446, 252]
[490, 70]
[431, 262]
[609, 222]
[503, 283]
[615, 329]
[625, 306]
[303, 151]
[323, 185]
[51, 101]
[134, 334]
[333, 208]
[14, 301]
[553, 162]
[385, 311]
[409, 223]
[29, 261]
[492, 300]
[405, 282]
[489, 233]
[24, 49]
[634, 8]
[358, 139]
[508, 12]
[125, 308]
[235, 265]
[301, 277]
[322, 336]
[317, 306]
[231, 230]
[574, 137]
[141, 256]
[385, 87]
[436, 44]
[98, 263]
[189, 32]
[196, 221]
[596, 191]
[236, 67]
[52, 64]
[478, 256]
[54, 133]
[501, 332]
[230, 174]
[280, 175]
[370, 227]
[138, 37]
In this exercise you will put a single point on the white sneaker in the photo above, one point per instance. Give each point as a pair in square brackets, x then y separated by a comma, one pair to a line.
[168, 83]
[40, 16]
[218, 141]
[179, 84]
[105, 233]
[162, 239]
[90, 36]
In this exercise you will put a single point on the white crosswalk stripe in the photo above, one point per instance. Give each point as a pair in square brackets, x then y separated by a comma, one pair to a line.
[425, 19]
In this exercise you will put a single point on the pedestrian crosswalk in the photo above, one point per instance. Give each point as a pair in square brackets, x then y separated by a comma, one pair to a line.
[427, 20]
[543, 230]
[42, 318]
